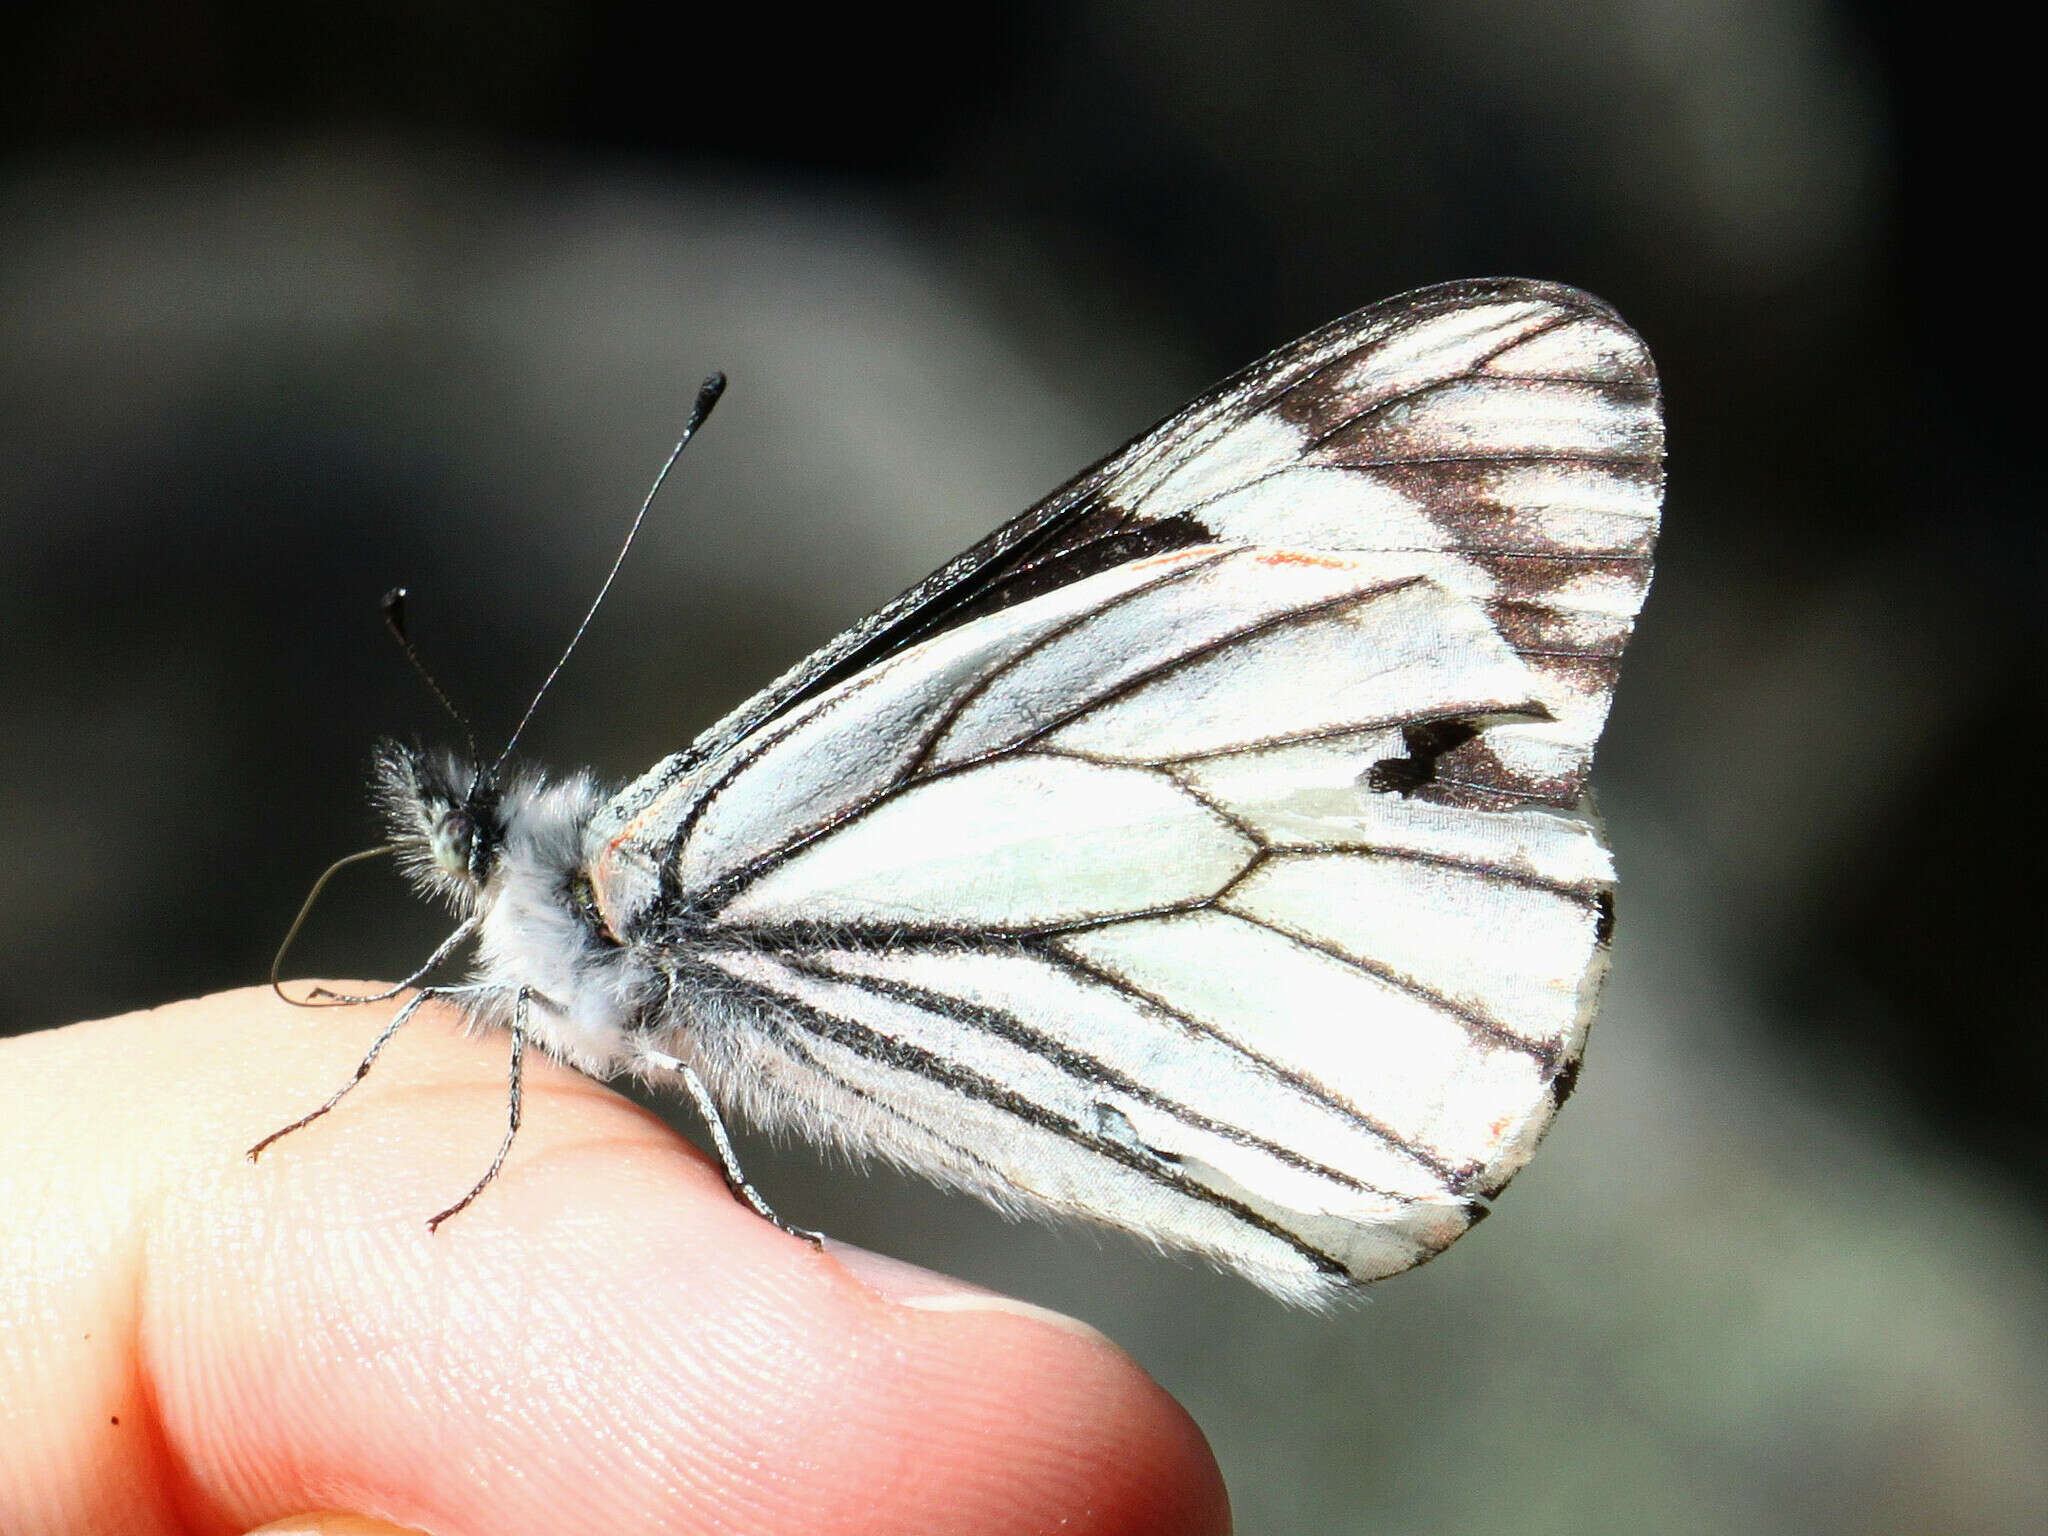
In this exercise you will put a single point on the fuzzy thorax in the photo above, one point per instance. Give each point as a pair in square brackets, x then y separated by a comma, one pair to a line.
[514, 860]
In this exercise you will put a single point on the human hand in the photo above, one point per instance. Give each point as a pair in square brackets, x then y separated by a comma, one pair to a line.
[605, 1342]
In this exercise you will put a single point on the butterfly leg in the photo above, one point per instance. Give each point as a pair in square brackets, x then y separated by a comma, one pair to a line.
[513, 1104]
[735, 1177]
[447, 947]
[383, 1039]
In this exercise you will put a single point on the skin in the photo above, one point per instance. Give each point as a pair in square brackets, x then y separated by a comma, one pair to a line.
[605, 1342]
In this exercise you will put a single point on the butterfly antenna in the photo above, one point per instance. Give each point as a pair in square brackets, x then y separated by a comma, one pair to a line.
[707, 397]
[393, 608]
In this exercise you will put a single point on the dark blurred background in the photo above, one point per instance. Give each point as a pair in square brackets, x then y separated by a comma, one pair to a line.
[300, 303]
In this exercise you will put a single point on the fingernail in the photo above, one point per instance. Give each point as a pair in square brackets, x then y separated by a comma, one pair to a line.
[331, 1523]
[928, 1291]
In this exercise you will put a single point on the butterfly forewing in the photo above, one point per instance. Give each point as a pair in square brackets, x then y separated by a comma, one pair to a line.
[1544, 507]
[1205, 851]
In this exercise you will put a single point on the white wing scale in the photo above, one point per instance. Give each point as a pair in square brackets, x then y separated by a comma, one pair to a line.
[1101, 899]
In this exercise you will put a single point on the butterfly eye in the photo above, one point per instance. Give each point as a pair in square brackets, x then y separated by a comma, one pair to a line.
[452, 842]
[583, 897]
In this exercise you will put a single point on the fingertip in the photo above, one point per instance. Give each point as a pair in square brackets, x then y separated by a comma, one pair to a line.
[925, 1290]
[1086, 1440]
[311, 1344]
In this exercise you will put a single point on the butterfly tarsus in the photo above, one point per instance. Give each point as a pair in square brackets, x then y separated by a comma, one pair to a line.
[362, 1071]
[397, 1022]
[513, 1109]
[446, 948]
[728, 1159]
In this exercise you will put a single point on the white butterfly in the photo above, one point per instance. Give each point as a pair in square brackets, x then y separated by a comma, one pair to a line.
[1206, 852]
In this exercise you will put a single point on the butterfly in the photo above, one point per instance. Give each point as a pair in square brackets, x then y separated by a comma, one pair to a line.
[1207, 852]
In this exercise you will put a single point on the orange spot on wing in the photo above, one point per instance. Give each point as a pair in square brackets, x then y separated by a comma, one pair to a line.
[1173, 557]
[1303, 557]
[633, 828]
